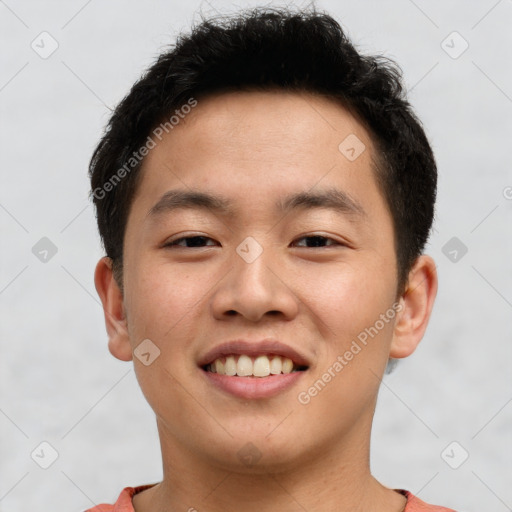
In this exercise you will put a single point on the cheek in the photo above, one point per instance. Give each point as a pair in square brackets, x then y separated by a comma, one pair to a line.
[162, 297]
[356, 340]
[164, 305]
[348, 297]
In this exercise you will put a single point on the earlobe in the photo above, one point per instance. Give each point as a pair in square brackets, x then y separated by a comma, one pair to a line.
[417, 301]
[113, 309]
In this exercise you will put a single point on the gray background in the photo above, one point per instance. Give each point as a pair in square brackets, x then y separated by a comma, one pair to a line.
[59, 383]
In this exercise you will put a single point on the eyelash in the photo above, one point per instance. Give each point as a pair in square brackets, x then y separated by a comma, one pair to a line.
[173, 243]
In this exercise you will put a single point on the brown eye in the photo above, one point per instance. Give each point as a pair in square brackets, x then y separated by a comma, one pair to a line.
[318, 241]
[190, 242]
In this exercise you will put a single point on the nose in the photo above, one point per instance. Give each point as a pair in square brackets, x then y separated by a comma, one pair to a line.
[255, 288]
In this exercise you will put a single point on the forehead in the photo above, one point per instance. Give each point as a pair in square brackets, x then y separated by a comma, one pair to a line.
[262, 146]
[268, 123]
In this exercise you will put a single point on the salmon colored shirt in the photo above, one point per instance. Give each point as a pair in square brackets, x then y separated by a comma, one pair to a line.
[124, 502]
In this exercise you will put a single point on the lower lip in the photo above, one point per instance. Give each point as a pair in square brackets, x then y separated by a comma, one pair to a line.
[254, 387]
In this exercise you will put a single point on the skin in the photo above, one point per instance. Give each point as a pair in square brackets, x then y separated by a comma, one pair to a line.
[255, 147]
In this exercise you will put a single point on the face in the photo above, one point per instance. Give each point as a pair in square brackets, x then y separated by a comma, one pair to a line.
[290, 258]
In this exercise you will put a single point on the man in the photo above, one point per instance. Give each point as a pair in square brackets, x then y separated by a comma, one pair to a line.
[264, 194]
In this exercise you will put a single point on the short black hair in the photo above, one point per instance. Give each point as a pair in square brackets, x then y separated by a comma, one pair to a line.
[268, 49]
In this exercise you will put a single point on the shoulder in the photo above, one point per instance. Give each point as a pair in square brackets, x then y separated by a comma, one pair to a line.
[414, 504]
[123, 502]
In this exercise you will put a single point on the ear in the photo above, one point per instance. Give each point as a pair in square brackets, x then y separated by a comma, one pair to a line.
[417, 301]
[113, 309]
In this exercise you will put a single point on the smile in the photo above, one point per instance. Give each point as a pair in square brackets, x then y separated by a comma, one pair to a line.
[255, 369]
[246, 366]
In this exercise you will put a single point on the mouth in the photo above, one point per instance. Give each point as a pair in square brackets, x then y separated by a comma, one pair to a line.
[253, 370]
[244, 365]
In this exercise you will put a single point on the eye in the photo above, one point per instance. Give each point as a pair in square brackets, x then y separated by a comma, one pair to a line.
[190, 241]
[318, 241]
[198, 241]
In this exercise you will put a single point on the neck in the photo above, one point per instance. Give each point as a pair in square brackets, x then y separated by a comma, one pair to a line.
[335, 479]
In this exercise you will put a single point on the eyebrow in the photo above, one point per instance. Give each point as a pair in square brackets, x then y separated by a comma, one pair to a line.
[329, 198]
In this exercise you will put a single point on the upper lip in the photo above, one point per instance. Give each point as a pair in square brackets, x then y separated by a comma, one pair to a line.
[253, 348]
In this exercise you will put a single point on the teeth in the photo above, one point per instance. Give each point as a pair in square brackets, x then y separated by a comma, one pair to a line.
[261, 367]
[287, 365]
[276, 365]
[229, 366]
[245, 366]
[219, 367]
